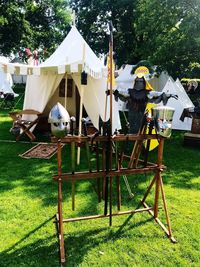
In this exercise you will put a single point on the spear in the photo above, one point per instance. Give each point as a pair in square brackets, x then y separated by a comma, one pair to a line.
[109, 144]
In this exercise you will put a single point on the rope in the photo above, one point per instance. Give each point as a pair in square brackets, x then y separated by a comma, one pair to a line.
[131, 195]
[125, 117]
[17, 101]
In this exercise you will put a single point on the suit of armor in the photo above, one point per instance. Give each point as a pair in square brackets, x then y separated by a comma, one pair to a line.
[137, 99]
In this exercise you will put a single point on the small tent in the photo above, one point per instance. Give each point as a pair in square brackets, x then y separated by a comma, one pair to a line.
[43, 86]
[183, 101]
[6, 81]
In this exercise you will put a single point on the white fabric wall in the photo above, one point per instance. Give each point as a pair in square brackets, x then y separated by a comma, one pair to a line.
[6, 83]
[94, 100]
[39, 90]
[183, 101]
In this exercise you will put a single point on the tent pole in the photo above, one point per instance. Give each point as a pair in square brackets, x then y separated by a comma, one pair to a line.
[66, 91]
[81, 108]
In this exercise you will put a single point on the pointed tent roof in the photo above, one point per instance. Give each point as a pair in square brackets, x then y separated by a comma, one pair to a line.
[68, 58]
[70, 55]
[183, 101]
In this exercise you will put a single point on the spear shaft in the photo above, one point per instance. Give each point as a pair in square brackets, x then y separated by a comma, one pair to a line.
[109, 144]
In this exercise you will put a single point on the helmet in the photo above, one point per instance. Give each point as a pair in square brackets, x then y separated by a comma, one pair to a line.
[163, 116]
[60, 121]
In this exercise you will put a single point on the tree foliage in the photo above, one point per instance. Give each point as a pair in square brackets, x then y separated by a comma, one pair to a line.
[168, 34]
[164, 32]
[39, 24]
[92, 20]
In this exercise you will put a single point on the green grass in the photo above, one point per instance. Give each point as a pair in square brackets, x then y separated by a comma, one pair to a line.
[28, 203]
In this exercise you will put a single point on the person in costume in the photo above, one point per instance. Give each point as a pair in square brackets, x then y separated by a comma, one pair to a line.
[138, 97]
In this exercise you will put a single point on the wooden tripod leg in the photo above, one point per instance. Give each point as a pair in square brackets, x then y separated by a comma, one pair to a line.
[166, 211]
[137, 149]
[156, 200]
[148, 190]
[118, 192]
[60, 223]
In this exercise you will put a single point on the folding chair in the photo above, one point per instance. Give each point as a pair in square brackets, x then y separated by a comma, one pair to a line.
[25, 125]
[9, 100]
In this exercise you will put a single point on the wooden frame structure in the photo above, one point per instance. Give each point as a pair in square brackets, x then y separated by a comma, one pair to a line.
[25, 125]
[135, 166]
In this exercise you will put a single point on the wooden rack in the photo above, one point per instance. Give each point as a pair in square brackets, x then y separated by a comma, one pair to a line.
[135, 166]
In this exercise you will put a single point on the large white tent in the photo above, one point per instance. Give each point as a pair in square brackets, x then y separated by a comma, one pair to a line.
[68, 61]
[179, 105]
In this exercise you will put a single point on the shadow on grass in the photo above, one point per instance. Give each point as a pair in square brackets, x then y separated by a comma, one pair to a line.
[45, 252]
[84, 242]
[34, 254]
[35, 175]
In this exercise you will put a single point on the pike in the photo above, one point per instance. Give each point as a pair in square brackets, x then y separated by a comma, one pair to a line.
[73, 159]
[109, 133]
[84, 121]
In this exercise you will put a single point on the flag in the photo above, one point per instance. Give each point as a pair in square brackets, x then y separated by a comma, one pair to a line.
[109, 72]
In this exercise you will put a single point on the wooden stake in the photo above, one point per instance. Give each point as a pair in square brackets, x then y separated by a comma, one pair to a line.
[60, 218]
[81, 109]
[73, 170]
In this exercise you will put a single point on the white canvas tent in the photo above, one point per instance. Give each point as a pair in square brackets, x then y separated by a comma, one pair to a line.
[70, 58]
[6, 81]
[183, 101]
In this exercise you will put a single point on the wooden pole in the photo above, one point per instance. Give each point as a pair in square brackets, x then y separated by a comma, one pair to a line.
[81, 108]
[111, 112]
[73, 170]
[66, 91]
[159, 162]
[60, 217]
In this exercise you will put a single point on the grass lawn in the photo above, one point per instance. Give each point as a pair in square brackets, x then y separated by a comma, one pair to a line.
[28, 203]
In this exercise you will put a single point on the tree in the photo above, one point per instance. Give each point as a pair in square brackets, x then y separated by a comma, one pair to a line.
[39, 24]
[168, 34]
[164, 32]
[92, 20]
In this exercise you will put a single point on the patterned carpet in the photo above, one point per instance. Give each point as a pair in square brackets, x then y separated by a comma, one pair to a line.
[40, 151]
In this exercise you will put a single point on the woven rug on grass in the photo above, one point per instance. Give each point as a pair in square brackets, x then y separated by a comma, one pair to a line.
[40, 151]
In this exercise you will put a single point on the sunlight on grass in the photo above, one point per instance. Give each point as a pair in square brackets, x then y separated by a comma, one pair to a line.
[28, 198]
